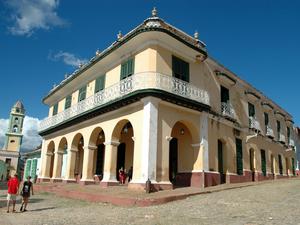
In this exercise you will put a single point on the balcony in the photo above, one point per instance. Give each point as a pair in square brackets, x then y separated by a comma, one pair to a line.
[281, 138]
[291, 143]
[254, 124]
[227, 110]
[136, 82]
[269, 132]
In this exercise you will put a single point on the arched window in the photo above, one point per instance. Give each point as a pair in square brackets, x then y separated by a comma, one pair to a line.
[15, 128]
[16, 120]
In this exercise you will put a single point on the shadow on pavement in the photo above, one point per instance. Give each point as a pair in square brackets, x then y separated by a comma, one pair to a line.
[35, 200]
[41, 209]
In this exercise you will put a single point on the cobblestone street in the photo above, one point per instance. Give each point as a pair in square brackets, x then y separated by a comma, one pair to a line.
[268, 203]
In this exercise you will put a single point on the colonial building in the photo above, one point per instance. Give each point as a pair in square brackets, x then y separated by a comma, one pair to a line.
[10, 153]
[156, 100]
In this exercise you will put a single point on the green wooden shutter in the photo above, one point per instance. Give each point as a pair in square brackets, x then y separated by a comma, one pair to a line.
[251, 109]
[68, 102]
[82, 94]
[224, 94]
[239, 156]
[278, 129]
[266, 115]
[288, 131]
[180, 69]
[33, 168]
[27, 168]
[280, 164]
[263, 162]
[55, 109]
[127, 69]
[100, 81]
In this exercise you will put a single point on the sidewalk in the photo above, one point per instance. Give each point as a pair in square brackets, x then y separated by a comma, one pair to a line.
[121, 196]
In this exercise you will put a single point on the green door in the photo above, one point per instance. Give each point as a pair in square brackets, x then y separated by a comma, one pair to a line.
[27, 168]
[263, 162]
[33, 168]
[239, 156]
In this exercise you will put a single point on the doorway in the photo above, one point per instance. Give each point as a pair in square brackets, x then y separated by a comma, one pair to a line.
[120, 158]
[173, 160]
[252, 168]
[221, 162]
[100, 160]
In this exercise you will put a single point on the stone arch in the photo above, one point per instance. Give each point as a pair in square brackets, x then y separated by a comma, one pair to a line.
[182, 155]
[50, 159]
[77, 147]
[62, 162]
[123, 132]
[97, 140]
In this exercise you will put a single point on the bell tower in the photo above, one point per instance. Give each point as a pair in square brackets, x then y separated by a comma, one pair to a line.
[10, 153]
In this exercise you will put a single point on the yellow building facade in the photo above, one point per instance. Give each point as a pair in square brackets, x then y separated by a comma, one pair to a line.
[156, 101]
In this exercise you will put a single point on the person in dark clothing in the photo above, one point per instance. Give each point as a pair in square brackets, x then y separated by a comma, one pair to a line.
[129, 174]
[27, 186]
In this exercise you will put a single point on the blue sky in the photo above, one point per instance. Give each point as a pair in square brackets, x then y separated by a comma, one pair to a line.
[42, 40]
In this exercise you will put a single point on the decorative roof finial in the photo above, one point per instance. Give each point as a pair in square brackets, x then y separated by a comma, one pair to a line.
[154, 12]
[66, 76]
[98, 52]
[196, 35]
[80, 65]
[119, 36]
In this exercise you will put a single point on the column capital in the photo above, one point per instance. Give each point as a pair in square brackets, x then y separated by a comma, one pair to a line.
[196, 145]
[90, 147]
[49, 154]
[114, 143]
[59, 152]
[151, 99]
[73, 150]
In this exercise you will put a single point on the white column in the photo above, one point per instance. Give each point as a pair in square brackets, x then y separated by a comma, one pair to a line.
[149, 150]
[88, 163]
[204, 140]
[110, 162]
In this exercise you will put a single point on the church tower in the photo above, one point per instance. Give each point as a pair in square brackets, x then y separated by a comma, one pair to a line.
[10, 153]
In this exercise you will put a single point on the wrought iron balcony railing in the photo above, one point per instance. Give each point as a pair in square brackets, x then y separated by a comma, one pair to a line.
[253, 123]
[269, 131]
[291, 143]
[136, 82]
[227, 110]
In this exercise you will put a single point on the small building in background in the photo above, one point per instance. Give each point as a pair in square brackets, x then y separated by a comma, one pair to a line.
[32, 160]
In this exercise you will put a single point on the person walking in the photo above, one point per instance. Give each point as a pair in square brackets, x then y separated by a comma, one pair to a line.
[27, 186]
[13, 187]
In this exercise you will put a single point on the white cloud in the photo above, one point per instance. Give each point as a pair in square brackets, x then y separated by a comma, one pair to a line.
[30, 15]
[67, 58]
[3, 129]
[31, 139]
